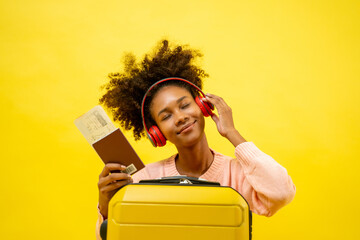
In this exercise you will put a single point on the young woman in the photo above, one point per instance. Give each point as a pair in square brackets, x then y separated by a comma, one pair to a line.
[172, 107]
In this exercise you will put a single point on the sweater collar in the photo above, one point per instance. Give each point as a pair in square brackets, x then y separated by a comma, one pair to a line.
[211, 174]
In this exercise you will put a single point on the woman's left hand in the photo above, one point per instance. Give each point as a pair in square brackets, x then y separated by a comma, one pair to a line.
[224, 122]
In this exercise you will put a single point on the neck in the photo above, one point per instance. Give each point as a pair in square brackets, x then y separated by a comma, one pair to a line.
[193, 161]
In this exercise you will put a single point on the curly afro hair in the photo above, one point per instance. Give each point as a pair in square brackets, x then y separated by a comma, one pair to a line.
[125, 90]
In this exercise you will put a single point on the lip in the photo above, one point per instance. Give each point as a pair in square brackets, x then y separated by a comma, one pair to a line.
[186, 127]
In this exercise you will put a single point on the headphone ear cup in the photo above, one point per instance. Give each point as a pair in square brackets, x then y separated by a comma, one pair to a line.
[156, 137]
[206, 108]
[151, 138]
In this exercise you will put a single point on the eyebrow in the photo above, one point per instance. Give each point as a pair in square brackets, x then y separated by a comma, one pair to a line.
[177, 101]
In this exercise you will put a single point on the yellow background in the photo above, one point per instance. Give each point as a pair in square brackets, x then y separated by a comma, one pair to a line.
[289, 70]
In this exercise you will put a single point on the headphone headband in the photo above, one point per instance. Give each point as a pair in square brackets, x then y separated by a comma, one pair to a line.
[156, 83]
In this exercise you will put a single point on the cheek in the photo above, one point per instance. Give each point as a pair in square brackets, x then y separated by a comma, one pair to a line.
[194, 112]
[197, 112]
[166, 127]
[202, 122]
[199, 116]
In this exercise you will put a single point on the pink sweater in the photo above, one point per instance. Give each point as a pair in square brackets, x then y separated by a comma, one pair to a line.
[263, 182]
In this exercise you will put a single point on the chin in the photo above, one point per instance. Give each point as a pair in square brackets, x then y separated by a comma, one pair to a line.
[193, 139]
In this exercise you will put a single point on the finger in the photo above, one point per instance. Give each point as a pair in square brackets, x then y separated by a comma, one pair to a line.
[111, 167]
[211, 101]
[114, 186]
[216, 100]
[208, 99]
[220, 104]
[215, 118]
[119, 184]
[210, 95]
[113, 178]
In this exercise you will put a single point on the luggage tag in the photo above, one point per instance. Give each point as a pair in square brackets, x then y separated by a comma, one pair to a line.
[130, 169]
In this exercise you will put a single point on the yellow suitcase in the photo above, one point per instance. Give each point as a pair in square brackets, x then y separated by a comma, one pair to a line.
[178, 208]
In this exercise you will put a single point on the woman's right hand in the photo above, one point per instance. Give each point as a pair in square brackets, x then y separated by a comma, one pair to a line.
[109, 182]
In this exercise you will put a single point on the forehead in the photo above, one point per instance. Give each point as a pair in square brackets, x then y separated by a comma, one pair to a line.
[168, 95]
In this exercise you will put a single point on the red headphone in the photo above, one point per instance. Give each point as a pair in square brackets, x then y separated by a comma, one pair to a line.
[153, 133]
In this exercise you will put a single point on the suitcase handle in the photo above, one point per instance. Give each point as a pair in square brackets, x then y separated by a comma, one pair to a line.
[180, 180]
[103, 229]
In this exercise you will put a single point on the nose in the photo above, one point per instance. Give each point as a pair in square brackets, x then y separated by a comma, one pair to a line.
[180, 118]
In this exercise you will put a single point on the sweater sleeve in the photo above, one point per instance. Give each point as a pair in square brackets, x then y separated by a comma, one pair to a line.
[99, 221]
[265, 184]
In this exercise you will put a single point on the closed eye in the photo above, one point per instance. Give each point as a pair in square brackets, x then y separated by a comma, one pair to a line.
[167, 116]
[185, 105]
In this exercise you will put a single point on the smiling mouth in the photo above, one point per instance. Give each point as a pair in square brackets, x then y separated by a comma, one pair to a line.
[186, 127]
